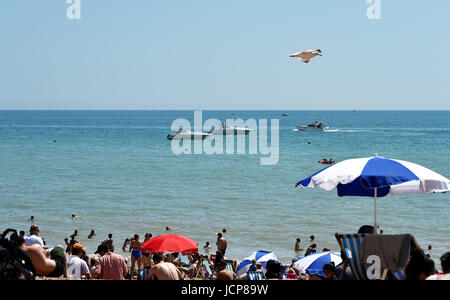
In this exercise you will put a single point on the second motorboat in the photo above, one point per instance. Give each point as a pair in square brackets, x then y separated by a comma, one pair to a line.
[187, 134]
[230, 130]
[314, 126]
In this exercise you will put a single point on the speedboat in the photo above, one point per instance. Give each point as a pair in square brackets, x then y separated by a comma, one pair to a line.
[187, 134]
[231, 130]
[314, 126]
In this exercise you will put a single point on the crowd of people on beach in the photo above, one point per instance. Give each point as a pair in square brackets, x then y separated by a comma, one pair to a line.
[74, 263]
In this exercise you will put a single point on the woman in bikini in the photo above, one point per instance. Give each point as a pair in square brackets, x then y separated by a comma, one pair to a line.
[136, 254]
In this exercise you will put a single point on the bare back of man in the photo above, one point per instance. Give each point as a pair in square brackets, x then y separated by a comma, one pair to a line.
[164, 271]
[224, 275]
[221, 244]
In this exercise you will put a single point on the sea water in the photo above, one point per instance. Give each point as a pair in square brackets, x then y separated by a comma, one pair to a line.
[116, 171]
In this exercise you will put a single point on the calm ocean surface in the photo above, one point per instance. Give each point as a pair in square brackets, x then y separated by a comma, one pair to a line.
[116, 170]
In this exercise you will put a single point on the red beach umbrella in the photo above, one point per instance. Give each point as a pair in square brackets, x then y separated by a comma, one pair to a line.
[170, 243]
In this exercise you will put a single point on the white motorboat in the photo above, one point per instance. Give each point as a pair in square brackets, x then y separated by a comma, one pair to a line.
[187, 134]
[231, 130]
[314, 126]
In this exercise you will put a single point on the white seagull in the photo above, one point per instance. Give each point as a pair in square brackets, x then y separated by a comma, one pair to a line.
[305, 56]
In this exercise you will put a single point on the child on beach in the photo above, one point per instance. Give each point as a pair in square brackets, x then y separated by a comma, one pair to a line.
[125, 244]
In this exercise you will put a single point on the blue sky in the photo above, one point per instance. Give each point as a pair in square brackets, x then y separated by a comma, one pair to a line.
[211, 54]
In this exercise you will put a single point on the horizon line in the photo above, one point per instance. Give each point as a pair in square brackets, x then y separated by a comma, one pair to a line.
[186, 109]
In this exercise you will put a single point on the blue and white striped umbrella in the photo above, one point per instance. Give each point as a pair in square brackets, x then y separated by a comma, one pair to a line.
[377, 177]
[260, 256]
[313, 263]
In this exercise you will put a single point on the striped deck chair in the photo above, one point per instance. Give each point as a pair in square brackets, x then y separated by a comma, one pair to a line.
[230, 268]
[255, 276]
[350, 245]
[144, 274]
[209, 269]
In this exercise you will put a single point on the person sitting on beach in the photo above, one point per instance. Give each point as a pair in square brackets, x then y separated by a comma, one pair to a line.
[136, 254]
[91, 234]
[419, 266]
[76, 266]
[224, 273]
[273, 269]
[252, 267]
[445, 264]
[221, 243]
[173, 258]
[33, 237]
[195, 261]
[330, 273]
[162, 270]
[259, 269]
[49, 263]
[366, 229]
[110, 266]
[92, 264]
[109, 243]
[219, 258]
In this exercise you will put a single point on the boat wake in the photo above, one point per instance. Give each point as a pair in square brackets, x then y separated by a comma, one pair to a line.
[340, 130]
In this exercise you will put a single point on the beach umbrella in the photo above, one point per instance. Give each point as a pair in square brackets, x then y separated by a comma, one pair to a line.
[377, 177]
[260, 256]
[170, 243]
[313, 263]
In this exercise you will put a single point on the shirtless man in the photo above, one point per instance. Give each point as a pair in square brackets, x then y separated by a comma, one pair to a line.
[223, 273]
[50, 263]
[221, 243]
[162, 270]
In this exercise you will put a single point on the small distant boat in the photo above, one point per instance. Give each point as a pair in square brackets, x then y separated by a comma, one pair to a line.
[314, 126]
[231, 130]
[187, 134]
[285, 114]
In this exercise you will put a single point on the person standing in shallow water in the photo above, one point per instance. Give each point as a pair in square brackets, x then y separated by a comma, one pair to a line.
[109, 242]
[136, 254]
[221, 243]
[297, 246]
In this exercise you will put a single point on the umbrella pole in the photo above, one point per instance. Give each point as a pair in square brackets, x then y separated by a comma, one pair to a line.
[375, 204]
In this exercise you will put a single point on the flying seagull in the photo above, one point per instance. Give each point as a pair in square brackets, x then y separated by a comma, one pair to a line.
[305, 56]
